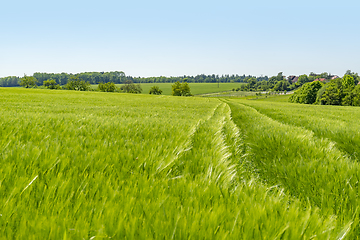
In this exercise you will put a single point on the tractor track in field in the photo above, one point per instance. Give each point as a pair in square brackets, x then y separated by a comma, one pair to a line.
[309, 168]
[345, 141]
[214, 159]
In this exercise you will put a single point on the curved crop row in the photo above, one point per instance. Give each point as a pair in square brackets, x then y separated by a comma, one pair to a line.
[215, 161]
[338, 123]
[309, 168]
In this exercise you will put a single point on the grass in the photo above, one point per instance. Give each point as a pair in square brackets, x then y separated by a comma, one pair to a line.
[85, 165]
[275, 98]
[230, 94]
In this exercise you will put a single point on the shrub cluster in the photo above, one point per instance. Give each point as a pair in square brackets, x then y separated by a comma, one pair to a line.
[127, 87]
[339, 91]
[181, 89]
[155, 90]
[28, 81]
[75, 83]
[107, 87]
[78, 84]
[51, 84]
[307, 93]
[130, 87]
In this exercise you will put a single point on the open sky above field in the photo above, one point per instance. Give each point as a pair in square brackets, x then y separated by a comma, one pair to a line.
[172, 38]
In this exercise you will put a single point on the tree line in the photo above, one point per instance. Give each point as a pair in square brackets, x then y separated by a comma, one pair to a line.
[119, 77]
[106, 82]
[253, 83]
[280, 83]
[77, 84]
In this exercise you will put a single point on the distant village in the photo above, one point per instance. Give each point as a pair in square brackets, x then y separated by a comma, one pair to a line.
[294, 79]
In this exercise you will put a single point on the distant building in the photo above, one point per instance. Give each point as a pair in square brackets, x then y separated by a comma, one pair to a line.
[323, 80]
[293, 78]
[334, 77]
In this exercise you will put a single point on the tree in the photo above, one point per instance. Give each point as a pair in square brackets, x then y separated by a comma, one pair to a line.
[251, 82]
[155, 90]
[280, 76]
[333, 94]
[348, 82]
[324, 75]
[176, 89]
[348, 85]
[121, 75]
[51, 84]
[356, 96]
[75, 83]
[281, 86]
[272, 81]
[10, 81]
[320, 94]
[354, 75]
[307, 93]
[303, 79]
[181, 89]
[243, 87]
[27, 81]
[130, 87]
[107, 87]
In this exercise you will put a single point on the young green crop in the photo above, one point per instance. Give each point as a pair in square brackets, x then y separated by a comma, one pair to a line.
[308, 167]
[85, 165]
[339, 124]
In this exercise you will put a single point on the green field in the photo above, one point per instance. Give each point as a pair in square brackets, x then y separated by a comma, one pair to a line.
[88, 165]
[196, 88]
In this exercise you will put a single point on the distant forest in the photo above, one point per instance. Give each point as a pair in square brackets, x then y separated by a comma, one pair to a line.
[120, 77]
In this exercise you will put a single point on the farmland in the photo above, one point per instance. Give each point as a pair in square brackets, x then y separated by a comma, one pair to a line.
[85, 165]
[196, 88]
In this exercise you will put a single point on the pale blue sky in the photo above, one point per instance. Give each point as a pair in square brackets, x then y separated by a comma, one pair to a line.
[172, 38]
